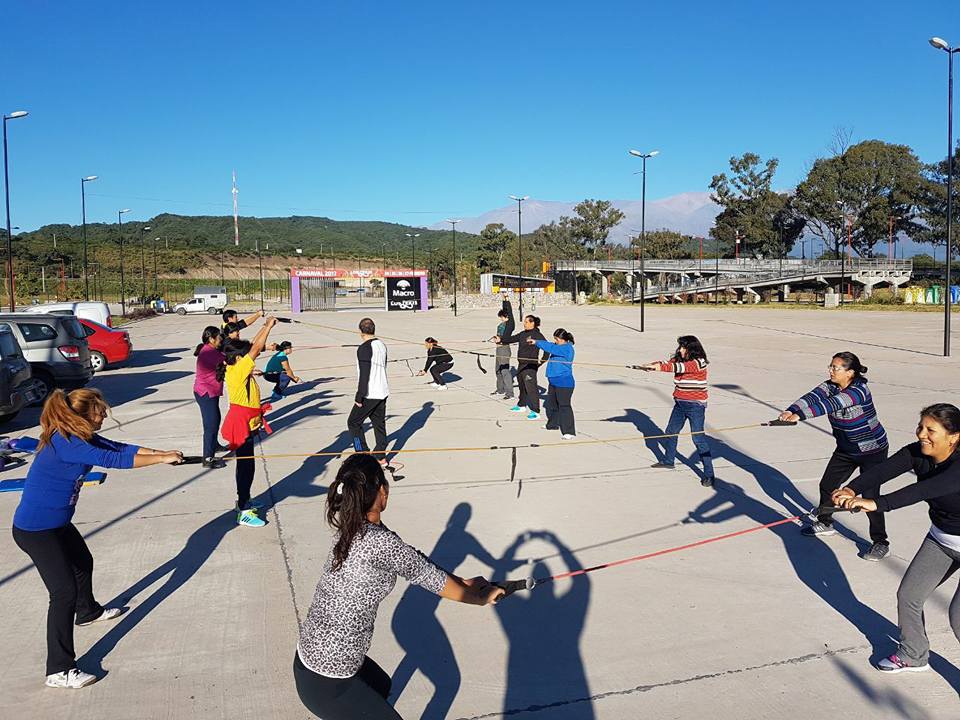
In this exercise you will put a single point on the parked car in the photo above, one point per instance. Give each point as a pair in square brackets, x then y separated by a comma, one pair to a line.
[17, 386]
[55, 346]
[107, 346]
[96, 311]
[205, 299]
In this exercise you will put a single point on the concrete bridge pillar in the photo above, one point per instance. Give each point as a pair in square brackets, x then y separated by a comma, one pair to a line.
[604, 283]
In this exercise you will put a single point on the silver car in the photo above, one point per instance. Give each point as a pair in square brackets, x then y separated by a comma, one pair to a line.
[56, 348]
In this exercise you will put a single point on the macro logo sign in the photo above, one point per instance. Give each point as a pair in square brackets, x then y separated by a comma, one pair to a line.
[403, 293]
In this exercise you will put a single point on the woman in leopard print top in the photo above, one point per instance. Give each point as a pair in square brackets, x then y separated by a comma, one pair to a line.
[334, 677]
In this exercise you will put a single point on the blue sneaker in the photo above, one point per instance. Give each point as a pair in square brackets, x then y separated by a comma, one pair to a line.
[533, 416]
[273, 398]
[250, 518]
[517, 408]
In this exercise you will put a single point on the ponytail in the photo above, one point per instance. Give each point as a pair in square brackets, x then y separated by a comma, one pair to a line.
[70, 414]
[349, 499]
[563, 335]
[210, 332]
[852, 362]
[232, 351]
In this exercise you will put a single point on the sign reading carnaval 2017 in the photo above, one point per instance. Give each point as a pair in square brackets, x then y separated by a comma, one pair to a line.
[406, 293]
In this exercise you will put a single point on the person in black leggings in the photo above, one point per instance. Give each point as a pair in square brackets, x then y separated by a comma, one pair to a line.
[334, 677]
[438, 362]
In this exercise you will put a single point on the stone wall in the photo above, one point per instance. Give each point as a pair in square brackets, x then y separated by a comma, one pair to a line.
[473, 300]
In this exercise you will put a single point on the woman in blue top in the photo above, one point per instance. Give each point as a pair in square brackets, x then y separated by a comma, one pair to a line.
[560, 376]
[69, 447]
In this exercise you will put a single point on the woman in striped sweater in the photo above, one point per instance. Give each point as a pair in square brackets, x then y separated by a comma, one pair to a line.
[861, 440]
[689, 368]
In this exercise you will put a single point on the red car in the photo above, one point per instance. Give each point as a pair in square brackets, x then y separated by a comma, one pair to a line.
[107, 346]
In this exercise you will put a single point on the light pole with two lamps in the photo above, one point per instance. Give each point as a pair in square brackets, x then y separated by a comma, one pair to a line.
[6, 189]
[83, 220]
[519, 201]
[643, 224]
[453, 224]
[123, 299]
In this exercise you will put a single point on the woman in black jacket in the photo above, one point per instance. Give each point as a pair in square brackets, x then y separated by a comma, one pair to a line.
[438, 362]
[528, 362]
[935, 460]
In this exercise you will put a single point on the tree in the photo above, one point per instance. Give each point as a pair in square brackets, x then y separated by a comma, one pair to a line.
[764, 220]
[865, 186]
[494, 239]
[593, 222]
[932, 204]
[664, 245]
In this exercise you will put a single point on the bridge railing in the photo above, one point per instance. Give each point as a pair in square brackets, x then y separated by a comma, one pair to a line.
[747, 266]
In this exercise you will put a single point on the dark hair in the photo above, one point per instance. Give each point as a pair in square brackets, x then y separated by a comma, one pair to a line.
[232, 350]
[231, 327]
[367, 326]
[534, 319]
[944, 413]
[210, 332]
[227, 314]
[431, 340]
[285, 345]
[693, 347]
[852, 362]
[564, 335]
[349, 499]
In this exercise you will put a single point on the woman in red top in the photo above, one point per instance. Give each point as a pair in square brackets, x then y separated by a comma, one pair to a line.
[207, 390]
[689, 368]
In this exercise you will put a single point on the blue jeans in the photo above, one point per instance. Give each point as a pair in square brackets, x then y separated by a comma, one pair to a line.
[210, 414]
[684, 410]
[281, 380]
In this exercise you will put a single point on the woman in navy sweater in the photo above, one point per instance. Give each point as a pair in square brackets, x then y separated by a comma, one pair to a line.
[69, 448]
[934, 459]
[861, 440]
[560, 375]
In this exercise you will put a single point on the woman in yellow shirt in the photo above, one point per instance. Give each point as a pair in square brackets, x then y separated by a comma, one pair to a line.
[245, 416]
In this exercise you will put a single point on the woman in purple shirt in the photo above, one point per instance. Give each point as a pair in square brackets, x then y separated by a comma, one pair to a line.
[207, 390]
[42, 528]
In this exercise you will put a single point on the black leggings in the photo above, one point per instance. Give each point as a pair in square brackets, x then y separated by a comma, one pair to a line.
[245, 471]
[437, 370]
[838, 471]
[362, 696]
[66, 568]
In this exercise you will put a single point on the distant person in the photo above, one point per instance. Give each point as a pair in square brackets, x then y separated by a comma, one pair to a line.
[370, 400]
[528, 363]
[278, 370]
[861, 440]
[438, 362]
[69, 448]
[561, 383]
[207, 390]
[502, 361]
[245, 416]
[934, 459]
[230, 316]
[334, 677]
[689, 368]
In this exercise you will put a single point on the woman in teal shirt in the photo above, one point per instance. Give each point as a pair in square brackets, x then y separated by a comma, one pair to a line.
[560, 376]
[278, 370]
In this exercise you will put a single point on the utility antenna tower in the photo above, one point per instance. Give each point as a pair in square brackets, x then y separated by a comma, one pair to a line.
[236, 227]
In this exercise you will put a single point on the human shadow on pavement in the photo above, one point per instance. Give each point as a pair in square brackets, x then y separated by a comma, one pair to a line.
[543, 626]
[153, 356]
[413, 424]
[125, 387]
[419, 632]
[646, 427]
[198, 548]
[888, 700]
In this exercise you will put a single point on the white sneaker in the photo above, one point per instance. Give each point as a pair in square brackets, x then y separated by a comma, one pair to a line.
[441, 387]
[567, 436]
[433, 385]
[73, 679]
[108, 614]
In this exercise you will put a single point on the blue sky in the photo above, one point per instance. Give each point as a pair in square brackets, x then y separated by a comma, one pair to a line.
[413, 112]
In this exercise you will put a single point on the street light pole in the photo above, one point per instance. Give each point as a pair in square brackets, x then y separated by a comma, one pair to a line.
[643, 226]
[6, 190]
[943, 45]
[143, 268]
[260, 263]
[155, 266]
[123, 300]
[413, 255]
[453, 223]
[520, 244]
[83, 210]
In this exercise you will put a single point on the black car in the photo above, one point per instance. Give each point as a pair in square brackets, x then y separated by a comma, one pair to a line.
[17, 386]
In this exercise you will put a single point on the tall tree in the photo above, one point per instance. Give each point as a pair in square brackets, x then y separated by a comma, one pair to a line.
[861, 190]
[494, 239]
[764, 220]
[665, 245]
[932, 204]
[592, 223]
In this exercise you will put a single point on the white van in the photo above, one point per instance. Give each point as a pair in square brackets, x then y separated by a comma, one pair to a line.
[97, 311]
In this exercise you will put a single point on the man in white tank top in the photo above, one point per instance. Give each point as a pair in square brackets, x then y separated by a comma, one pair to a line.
[372, 391]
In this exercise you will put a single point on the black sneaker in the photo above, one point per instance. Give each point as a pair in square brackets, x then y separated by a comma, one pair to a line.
[213, 463]
[707, 481]
[818, 529]
[662, 466]
[877, 552]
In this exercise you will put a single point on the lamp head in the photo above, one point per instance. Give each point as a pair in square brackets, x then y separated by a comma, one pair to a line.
[940, 43]
[17, 114]
[89, 178]
[519, 199]
[125, 210]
